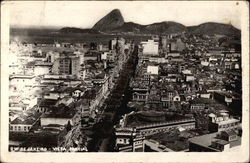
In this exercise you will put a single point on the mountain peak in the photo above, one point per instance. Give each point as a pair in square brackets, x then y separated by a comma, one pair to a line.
[111, 21]
[115, 11]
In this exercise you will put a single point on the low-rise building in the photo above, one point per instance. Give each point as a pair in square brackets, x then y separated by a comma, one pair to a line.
[24, 122]
[128, 141]
[222, 122]
[216, 142]
[61, 115]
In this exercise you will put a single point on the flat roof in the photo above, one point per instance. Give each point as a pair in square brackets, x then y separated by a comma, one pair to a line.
[231, 120]
[204, 140]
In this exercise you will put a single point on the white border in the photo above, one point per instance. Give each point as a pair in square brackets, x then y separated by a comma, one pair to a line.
[241, 156]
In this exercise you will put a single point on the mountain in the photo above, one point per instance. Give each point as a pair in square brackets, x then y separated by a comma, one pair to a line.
[166, 27]
[111, 21]
[78, 30]
[156, 28]
[129, 27]
[211, 28]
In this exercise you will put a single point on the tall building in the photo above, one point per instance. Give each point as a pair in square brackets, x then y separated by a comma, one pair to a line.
[64, 66]
[67, 65]
[75, 65]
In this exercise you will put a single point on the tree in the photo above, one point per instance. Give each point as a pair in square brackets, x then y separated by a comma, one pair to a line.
[68, 127]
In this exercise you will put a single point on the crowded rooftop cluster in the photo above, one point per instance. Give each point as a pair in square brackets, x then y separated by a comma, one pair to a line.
[194, 78]
[55, 89]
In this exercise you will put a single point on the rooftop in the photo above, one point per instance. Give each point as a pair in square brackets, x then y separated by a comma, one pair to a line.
[203, 101]
[26, 119]
[206, 140]
[150, 117]
[174, 140]
[61, 111]
[230, 120]
[47, 102]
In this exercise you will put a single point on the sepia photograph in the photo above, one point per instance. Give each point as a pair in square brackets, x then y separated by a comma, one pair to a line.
[121, 81]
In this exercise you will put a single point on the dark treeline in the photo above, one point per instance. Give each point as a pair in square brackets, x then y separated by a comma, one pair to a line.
[116, 106]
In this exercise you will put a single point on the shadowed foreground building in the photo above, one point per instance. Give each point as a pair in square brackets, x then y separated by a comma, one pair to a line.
[131, 132]
[128, 141]
[216, 142]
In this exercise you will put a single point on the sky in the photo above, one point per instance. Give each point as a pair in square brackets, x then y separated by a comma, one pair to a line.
[84, 14]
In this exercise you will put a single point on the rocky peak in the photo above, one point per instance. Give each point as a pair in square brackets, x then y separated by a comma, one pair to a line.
[112, 20]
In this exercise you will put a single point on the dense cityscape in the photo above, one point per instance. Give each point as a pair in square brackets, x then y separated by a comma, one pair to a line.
[164, 92]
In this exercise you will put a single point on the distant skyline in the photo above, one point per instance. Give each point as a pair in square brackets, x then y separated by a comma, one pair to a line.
[84, 14]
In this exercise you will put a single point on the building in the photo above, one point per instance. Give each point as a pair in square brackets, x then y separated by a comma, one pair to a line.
[164, 43]
[150, 47]
[61, 115]
[140, 90]
[170, 99]
[222, 122]
[42, 68]
[44, 104]
[128, 141]
[180, 45]
[112, 44]
[156, 123]
[102, 80]
[21, 125]
[67, 64]
[155, 146]
[75, 66]
[24, 122]
[21, 81]
[216, 142]
[200, 104]
[150, 129]
[153, 70]
[173, 46]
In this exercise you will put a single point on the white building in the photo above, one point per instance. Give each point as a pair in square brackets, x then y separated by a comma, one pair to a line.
[153, 70]
[150, 47]
[204, 63]
[42, 68]
[104, 56]
[222, 122]
[190, 78]
[21, 81]
[20, 124]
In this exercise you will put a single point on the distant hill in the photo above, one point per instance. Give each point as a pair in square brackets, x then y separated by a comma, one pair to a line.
[113, 22]
[211, 28]
[78, 30]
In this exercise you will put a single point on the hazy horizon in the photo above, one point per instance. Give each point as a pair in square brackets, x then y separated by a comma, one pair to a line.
[59, 27]
[54, 14]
